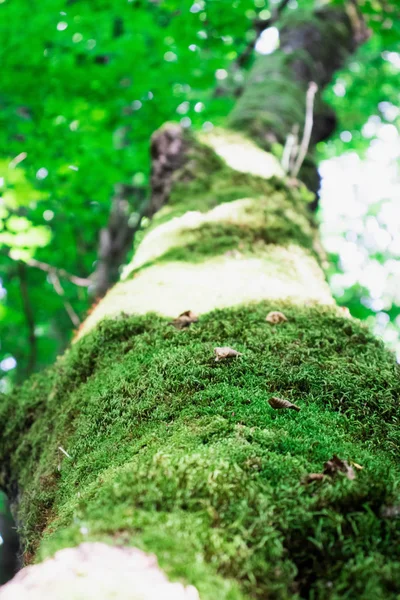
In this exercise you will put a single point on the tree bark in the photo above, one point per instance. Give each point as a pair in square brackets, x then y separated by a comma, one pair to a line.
[165, 435]
[272, 105]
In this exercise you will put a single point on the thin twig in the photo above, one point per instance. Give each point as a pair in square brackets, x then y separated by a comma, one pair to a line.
[295, 149]
[290, 149]
[60, 291]
[308, 125]
[23, 286]
[81, 281]
[64, 452]
[19, 158]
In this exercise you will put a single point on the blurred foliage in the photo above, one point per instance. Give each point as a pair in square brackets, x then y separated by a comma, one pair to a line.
[361, 229]
[84, 84]
[365, 267]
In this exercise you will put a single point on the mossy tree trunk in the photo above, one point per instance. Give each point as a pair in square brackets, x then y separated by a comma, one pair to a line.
[139, 437]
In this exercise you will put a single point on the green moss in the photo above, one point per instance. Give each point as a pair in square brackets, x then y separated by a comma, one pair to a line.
[274, 96]
[211, 188]
[273, 101]
[214, 239]
[273, 214]
[206, 180]
[183, 456]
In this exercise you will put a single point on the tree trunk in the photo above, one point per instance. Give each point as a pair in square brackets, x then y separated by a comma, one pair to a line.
[146, 433]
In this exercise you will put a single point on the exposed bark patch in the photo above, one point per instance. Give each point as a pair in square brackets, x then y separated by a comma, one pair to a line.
[168, 155]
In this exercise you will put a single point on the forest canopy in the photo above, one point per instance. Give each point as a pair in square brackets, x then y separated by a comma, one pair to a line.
[83, 87]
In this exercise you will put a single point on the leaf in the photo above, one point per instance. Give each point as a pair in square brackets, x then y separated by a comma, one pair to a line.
[224, 352]
[275, 317]
[336, 464]
[279, 403]
[313, 477]
[185, 319]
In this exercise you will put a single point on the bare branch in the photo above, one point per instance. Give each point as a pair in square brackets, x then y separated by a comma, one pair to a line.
[290, 149]
[308, 125]
[15, 161]
[80, 281]
[60, 291]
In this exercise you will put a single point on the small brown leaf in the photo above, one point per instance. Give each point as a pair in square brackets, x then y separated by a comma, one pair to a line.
[336, 464]
[223, 352]
[281, 403]
[275, 317]
[313, 477]
[185, 319]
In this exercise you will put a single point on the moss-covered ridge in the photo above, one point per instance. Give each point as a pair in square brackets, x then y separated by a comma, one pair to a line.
[182, 456]
[245, 225]
[206, 181]
[224, 238]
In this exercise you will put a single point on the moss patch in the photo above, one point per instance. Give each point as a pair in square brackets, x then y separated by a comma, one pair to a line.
[246, 225]
[274, 97]
[183, 456]
[206, 181]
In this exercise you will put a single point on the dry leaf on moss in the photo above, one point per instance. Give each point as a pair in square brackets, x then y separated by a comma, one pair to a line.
[336, 464]
[313, 477]
[281, 403]
[223, 352]
[275, 317]
[185, 319]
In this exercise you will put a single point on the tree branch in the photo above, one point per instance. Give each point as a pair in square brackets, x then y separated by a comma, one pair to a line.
[116, 239]
[361, 31]
[290, 149]
[305, 142]
[60, 291]
[80, 281]
[23, 286]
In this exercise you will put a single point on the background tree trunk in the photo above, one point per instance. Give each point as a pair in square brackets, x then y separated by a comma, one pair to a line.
[139, 437]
